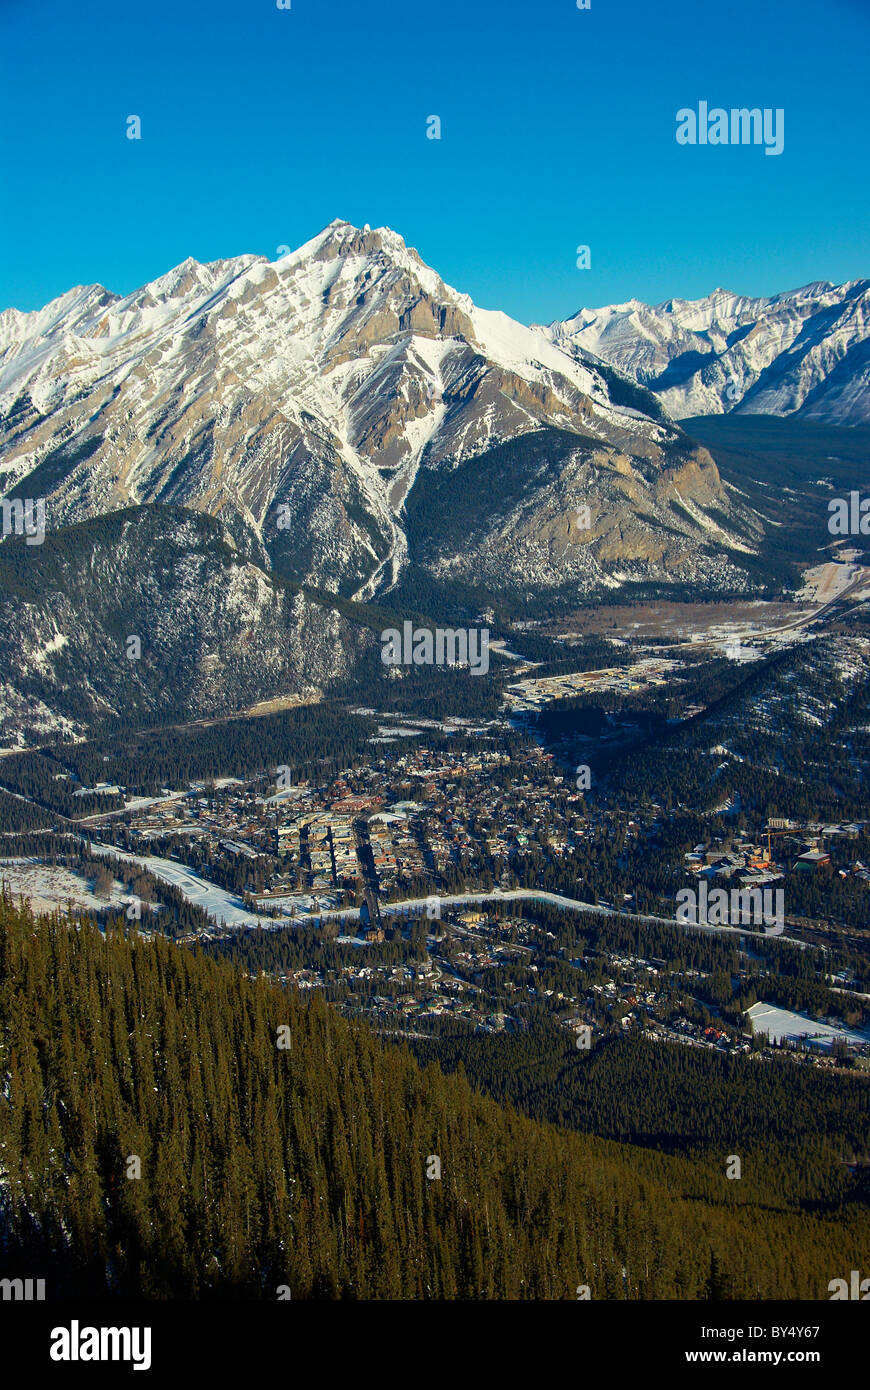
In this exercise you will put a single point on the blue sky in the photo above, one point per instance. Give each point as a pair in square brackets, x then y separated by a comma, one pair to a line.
[260, 125]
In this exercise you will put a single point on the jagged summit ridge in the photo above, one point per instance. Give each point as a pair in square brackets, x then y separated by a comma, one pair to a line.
[803, 352]
[300, 399]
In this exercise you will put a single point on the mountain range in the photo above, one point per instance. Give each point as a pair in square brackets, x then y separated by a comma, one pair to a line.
[226, 447]
[804, 353]
[325, 403]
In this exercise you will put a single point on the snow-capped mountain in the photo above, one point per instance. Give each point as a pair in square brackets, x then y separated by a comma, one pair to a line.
[318, 404]
[806, 352]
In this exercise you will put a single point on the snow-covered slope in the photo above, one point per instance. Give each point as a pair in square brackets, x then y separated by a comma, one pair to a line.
[216, 631]
[299, 400]
[806, 352]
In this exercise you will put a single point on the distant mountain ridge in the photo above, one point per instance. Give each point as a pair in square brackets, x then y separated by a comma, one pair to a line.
[805, 352]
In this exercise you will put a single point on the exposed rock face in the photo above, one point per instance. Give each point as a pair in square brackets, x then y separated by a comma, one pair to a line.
[805, 353]
[576, 517]
[303, 403]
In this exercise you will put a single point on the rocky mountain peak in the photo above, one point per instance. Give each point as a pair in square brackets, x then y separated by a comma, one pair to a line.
[310, 402]
[804, 352]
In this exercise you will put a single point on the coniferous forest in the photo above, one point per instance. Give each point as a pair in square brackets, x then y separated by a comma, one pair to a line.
[172, 1128]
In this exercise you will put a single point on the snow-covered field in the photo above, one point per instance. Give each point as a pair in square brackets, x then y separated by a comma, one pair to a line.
[48, 887]
[218, 902]
[224, 906]
[782, 1023]
[825, 582]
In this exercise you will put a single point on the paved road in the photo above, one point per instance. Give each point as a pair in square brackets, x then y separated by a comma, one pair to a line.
[861, 580]
[228, 909]
[568, 905]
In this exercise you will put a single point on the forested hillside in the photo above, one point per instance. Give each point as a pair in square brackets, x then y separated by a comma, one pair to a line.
[798, 1132]
[306, 1166]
